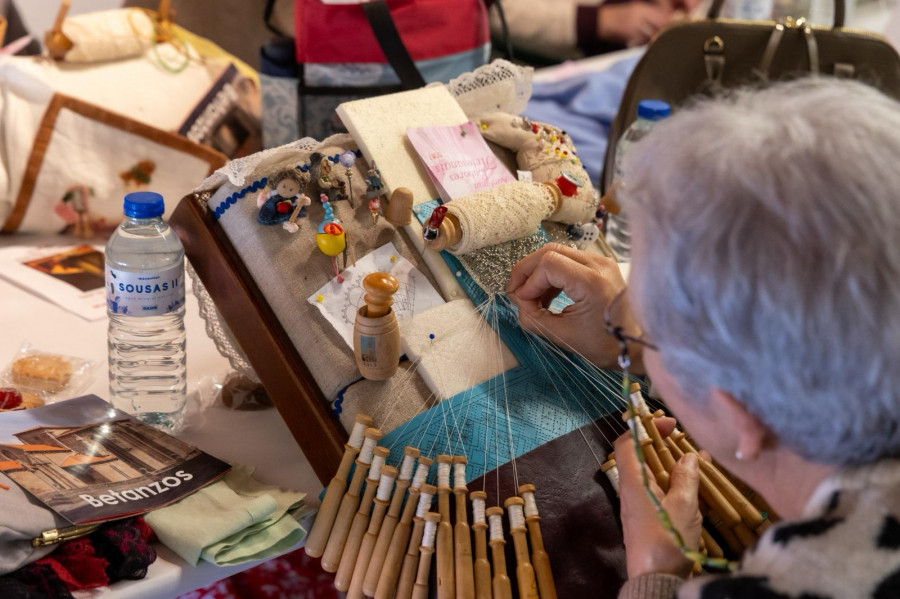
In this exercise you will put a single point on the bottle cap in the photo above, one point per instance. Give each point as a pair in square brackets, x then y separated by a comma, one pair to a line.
[653, 110]
[144, 204]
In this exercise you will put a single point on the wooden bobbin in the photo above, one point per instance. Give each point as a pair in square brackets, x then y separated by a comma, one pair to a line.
[331, 558]
[712, 547]
[539, 558]
[359, 526]
[420, 589]
[411, 559]
[390, 571]
[731, 539]
[762, 528]
[651, 457]
[388, 474]
[462, 539]
[446, 577]
[665, 456]
[482, 567]
[501, 584]
[376, 334]
[637, 399]
[376, 564]
[321, 529]
[58, 43]
[747, 511]
[612, 473]
[524, 569]
[746, 536]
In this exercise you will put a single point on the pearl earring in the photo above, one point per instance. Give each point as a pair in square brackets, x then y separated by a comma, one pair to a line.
[739, 455]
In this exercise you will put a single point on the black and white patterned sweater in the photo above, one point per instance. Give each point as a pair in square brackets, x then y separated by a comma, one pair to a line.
[846, 546]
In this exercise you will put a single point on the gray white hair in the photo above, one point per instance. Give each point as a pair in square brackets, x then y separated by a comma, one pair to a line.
[768, 259]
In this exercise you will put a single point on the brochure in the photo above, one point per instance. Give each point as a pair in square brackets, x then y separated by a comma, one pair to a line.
[458, 160]
[69, 276]
[90, 462]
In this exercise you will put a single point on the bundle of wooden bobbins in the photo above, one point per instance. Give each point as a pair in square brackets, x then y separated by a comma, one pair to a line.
[738, 514]
[380, 546]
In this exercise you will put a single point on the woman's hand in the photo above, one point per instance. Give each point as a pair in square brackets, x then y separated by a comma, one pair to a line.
[649, 548]
[590, 281]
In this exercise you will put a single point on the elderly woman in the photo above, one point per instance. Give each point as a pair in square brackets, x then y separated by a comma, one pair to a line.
[765, 299]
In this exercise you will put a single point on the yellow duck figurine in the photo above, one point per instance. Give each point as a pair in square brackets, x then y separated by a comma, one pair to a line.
[332, 241]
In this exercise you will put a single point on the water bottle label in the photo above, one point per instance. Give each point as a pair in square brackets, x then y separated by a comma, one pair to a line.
[145, 293]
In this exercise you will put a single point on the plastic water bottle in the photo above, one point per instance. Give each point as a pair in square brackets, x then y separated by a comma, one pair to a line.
[648, 113]
[145, 304]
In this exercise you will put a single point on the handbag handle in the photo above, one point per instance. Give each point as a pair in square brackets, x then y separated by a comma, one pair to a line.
[379, 16]
[839, 9]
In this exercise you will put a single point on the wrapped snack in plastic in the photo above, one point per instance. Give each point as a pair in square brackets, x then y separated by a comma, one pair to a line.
[49, 376]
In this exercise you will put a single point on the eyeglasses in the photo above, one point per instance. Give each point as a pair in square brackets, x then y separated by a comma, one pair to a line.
[615, 313]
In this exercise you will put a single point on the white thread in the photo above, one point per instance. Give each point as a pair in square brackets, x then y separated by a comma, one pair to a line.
[530, 505]
[424, 504]
[406, 467]
[478, 508]
[421, 476]
[516, 517]
[496, 522]
[637, 400]
[385, 487]
[367, 451]
[443, 474]
[459, 474]
[638, 426]
[375, 468]
[429, 535]
[506, 212]
[357, 435]
[612, 473]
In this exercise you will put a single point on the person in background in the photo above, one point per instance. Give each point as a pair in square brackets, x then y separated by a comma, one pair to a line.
[566, 29]
[764, 304]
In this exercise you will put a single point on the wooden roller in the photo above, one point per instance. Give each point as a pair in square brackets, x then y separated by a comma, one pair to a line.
[360, 522]
[376, 564]
[524, 569]
[539, 558]
[331, 559]
[420, 590]
[411, 559]
[446, 581]
[501, 584]
[479, 528]
[321, 528]
[462, 539]
[382, 500]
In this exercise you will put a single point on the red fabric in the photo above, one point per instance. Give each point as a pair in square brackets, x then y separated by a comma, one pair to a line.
[291, 576]
[147, 534]
[337, 33]
[77, 565]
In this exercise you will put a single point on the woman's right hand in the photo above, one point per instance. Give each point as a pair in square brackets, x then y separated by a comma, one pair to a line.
[591, 281]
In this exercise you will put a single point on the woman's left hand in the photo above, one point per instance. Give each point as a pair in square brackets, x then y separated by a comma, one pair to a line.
[649, 548]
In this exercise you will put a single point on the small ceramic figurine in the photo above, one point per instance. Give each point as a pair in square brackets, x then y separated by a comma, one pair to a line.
[584, 234]
[375, 209]
[276, 204]
[320, 171]
[374, 185]
[331, 237]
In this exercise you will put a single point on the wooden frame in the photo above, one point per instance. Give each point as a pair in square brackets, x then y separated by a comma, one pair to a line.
[260, 335]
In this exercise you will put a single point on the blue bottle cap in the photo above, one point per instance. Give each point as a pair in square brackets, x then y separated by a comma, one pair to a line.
[653, 110]
[144, 204]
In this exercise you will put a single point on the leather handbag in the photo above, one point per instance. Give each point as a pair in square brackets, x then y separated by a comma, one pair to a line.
[712, 55]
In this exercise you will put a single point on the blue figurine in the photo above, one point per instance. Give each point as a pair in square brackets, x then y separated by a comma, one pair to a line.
[276, 204]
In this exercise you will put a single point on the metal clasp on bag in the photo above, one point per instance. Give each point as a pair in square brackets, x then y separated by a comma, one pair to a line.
[714, 59]
[58, 535]
[812, 47]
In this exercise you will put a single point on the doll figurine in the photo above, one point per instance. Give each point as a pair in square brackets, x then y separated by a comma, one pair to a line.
[276, 204]
[320, 171]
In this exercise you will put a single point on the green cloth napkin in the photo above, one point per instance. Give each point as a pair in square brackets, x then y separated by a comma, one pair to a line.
[234, 520]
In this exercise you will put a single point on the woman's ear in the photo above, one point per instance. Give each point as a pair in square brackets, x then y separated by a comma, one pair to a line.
[751, 432]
